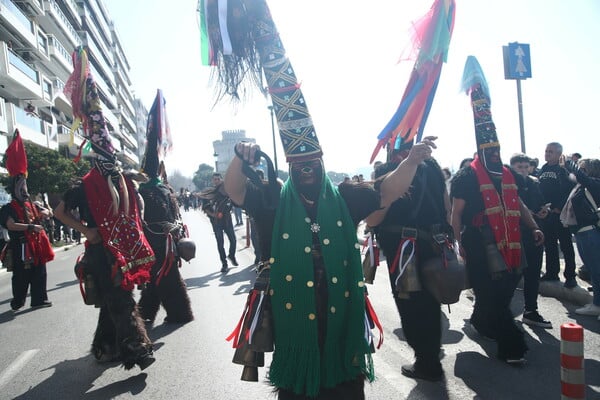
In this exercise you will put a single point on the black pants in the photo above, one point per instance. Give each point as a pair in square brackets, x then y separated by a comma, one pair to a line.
[531, 275]
[226, 228]
[420, 315]
[554, 234]
[22, 278]
[351, 390]
[491, 315]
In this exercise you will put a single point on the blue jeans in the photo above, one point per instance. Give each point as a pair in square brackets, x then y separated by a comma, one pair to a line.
[588, 244]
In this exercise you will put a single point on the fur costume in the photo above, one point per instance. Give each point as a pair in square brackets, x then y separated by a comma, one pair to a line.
[108, 202]
[163, 228]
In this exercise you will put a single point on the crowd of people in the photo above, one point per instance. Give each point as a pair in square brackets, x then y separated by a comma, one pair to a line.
[309, 304]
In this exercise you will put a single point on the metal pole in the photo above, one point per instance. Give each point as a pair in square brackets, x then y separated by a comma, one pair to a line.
[274, 143]
[521, 125]
[216, 156]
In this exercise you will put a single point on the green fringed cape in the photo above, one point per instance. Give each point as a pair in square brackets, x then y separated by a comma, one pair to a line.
[298, 364]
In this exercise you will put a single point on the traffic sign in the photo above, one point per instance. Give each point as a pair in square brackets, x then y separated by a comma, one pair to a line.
[517, 61]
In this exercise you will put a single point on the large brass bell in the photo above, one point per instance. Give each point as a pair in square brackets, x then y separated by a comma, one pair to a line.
[251, 360]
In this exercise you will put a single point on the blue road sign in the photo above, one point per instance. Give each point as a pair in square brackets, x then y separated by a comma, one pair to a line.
[517, 62]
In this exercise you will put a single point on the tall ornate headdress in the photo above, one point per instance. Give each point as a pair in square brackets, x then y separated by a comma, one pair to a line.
[158, 137]
[243, 42]
[81, 89]
[474, 83]
[16, 157]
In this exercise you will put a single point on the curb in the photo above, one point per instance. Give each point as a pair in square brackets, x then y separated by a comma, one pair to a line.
[578, 295]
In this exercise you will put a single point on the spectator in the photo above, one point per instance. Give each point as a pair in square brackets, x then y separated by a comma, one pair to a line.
[217, 205]
[580, 214]
[556, 186]
[534, 201]
[533, 167]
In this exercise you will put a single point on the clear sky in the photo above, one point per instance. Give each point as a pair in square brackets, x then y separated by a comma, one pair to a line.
[344, 53]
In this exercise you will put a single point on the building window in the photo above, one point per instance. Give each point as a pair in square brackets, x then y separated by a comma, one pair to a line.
[42, 42]
[47, 85]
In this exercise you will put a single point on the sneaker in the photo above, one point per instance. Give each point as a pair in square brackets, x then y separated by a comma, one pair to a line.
[589, 309]
[411, 371]
[43, 304]
[233, 260]
[571, 283]
[224, 268]
[534, 318]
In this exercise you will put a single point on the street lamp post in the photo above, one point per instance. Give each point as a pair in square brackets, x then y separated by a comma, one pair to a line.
[216, 156]
[274, 143]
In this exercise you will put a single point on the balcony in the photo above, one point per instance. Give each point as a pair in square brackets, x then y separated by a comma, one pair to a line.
[19, 79]
[96, 55]
[73, 10]
[130, 140]
[110, 117]
[89, 23]
[33, 7]
[13, 18]
[62, 27]
[61, 102]
[31, 127]
[60, 54]
[64, 138]
[106, 92]
[3, 118]
[99, 20]
[125, 119]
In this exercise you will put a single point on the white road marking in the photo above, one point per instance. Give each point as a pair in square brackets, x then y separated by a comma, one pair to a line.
[14, 368]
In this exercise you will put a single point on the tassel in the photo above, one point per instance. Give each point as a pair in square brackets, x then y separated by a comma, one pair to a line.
[400, 256]
[237, 330]
[375, 319]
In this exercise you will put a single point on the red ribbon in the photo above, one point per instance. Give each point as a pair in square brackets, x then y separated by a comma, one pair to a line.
[375, 319]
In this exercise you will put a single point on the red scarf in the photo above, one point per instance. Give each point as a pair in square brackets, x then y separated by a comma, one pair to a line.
[122, 234]
[503, 214]
[38, 246]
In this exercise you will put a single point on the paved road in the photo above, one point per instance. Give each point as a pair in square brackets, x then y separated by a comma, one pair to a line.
[45, 353]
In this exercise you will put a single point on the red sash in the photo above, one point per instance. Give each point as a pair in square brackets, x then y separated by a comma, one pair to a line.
[503, 214]
[122, 234]
[38, 248]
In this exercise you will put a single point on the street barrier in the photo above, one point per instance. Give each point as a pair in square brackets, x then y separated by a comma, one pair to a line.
[572, 375]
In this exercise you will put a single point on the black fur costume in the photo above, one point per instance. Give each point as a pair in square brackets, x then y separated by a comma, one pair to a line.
[120, 333]
[163, 228]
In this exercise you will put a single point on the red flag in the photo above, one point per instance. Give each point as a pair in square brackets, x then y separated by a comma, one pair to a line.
[16, 159]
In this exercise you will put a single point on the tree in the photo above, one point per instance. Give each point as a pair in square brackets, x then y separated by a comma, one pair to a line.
[48, 170]
[203, 176]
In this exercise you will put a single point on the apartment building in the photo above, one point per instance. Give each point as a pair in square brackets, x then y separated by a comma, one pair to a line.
[37, 38]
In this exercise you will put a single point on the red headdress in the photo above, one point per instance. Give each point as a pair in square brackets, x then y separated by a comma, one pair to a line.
[16, 158]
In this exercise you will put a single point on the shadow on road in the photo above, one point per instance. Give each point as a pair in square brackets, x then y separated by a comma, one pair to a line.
[72, 379]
